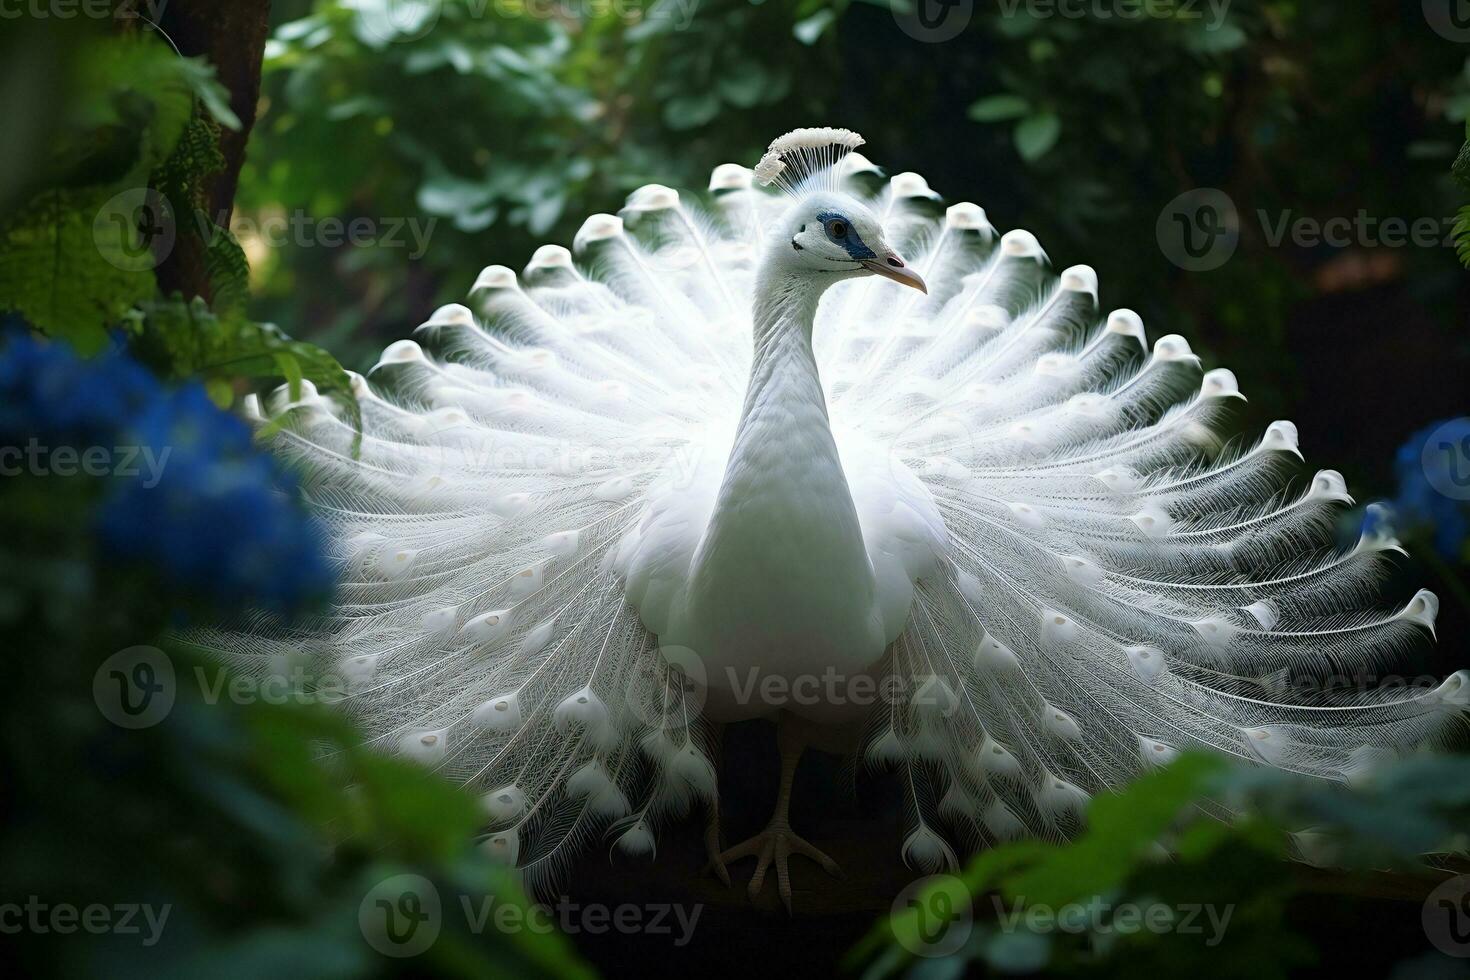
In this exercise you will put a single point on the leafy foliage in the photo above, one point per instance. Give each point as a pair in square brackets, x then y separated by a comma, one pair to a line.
[507, 127]
[1080, 129]
[262, 826]
[1239, 869]
[1462, 235]
[191, 341]
[65, 276]
[1461, 171]
[70, 261]
[134, 155]
[258, 825]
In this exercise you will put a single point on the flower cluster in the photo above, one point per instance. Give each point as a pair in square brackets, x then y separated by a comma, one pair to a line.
[213, 515]
[1433, 469]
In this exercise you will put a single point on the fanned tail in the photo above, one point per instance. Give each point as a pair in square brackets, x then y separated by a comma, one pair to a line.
[1123, 583]
[481, 627]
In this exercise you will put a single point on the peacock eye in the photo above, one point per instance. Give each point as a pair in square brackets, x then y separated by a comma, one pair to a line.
[836, 228]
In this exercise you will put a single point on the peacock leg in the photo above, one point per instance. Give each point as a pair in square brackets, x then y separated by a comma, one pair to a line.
[712, 826]
[774, 846]
[716, 861]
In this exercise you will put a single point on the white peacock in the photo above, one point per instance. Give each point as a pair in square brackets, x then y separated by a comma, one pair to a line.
[612, 504]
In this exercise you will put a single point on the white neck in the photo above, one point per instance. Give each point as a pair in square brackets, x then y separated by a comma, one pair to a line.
[784, 486]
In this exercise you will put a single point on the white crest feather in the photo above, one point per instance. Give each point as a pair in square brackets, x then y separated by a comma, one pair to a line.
[802, 157]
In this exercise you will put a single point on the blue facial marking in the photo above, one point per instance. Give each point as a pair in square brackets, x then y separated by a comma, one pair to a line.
[849, 240]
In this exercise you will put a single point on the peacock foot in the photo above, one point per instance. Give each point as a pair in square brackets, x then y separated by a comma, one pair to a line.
[712, 848]
[773, 847]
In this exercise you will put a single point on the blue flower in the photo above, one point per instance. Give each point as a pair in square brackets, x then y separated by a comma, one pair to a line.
[1433, 494]
[214, 516]
[47, 388]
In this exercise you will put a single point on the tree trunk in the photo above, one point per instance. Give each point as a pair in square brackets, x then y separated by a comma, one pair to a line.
[232, 37]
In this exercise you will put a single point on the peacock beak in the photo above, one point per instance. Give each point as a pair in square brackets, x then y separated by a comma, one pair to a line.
[890, 266]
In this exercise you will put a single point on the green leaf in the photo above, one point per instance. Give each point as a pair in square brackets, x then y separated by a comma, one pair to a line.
[1219, 40]
[226, 266]
[1121, 828]
[199, 75]
[140, 83]
[445, 194]
[810, 30]
[1461, 168]
[195, 157]
[73, 262]
[290, 370]
[543, 212]
[220, 392]
[1018, 952]
[691, 111]
[187, 340]
[746, 86]
[1037, 134]
[1462, 236]
[997, 108]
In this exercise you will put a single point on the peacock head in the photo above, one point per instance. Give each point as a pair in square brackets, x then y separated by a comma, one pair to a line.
[831, 236]
[826, 234]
